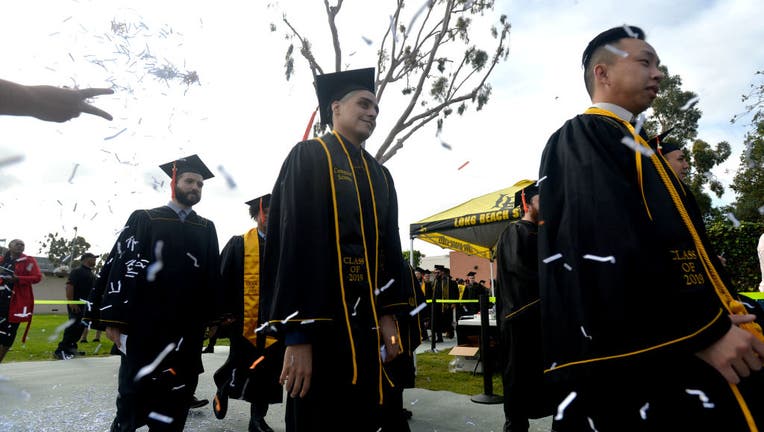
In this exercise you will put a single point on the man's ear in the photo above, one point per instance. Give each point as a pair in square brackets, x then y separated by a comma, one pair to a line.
[601, 73]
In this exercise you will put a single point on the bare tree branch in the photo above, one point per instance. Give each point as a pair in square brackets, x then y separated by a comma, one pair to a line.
[399, 142]
[305, 50]
[331, 14]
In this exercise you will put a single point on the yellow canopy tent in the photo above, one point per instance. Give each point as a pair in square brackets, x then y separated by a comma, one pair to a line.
[472, 227]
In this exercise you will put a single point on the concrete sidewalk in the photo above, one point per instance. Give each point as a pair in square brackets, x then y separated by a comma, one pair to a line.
[79, 395]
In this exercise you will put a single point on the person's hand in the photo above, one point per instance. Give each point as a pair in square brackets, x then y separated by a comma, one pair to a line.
[75, 308]
[742, 319]
[114, 334]
[735, 355]
[61, 104]
[297, 370]
[390, 337]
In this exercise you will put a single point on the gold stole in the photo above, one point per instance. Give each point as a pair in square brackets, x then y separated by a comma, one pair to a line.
[252, 287]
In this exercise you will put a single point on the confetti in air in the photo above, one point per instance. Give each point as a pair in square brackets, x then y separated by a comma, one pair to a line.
[445, 145]
[640, 122]
[690, 103]
[115, 135]
[630, 143]
[610, 259]
[583, 330]
[177, 348]
[59, 329]
[74, 171]
[25, 314]
[160, 417]
[761, 210]
[643, 410]
[156, 266]
[616, 51]
[702, 396]
[256, 362]
[355, 306]
[11, 160]
[153, 365]
[564, 404]
[554, 257]
[196, 263]
[591, 424]
[308, 321]
[418, 309]
[261, 328]
[285, 320]
[733, 219]
[629, 32]
[567, 267]
[463, 165]
[426, 4]
[228, 178]
[386, 286]
[538, 182]
[367, 40]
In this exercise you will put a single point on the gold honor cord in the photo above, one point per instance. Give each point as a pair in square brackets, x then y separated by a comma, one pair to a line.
[732, 306]
[372, 282]
[339, 257]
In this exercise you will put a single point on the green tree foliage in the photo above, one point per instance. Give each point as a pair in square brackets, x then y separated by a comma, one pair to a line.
[63, 251]
[417, 257]
[749, 179]
[738, 246]
[675, 109]
[419, 55]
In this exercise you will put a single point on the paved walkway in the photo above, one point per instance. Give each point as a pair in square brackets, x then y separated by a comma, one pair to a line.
[78, 395]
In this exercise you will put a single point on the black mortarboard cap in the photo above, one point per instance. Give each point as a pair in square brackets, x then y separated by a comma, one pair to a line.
[530, 192]
[609, 36]
[471, 274]
[87, 255]
[427, 272]
[438, 267]
[657, 143]
[187, 164]
[333, 86]
[419, 269]
[266, 199]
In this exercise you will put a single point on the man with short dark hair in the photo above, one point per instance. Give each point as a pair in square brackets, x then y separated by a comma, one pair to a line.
[333, 264]
[160, 289]
[81, 280]
[472, 291]
[640, 331]
[251, 372]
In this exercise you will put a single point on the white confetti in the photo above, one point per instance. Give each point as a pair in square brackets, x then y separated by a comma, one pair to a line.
[567, 267]
[114, 136]
[356, 306]
[639, 123]
[583, 330]
[367, 40]
[554, 257]
[178, 387]
[23, 313]
[761, 210]
[733, 219]
[564, 404]
[156, 266]
[610, 258]
[153, 365]
[629, 31]
[690, 103]
[97, 348]
[74, 171]
[105, 307]
[418, 309]
[415, 401]
[285, 320]
[177, 348]
[616, 51]
[643, 410]
[228, 178]
[160, 417]
[630, 143]
[386, 286]
[309, 321]
[591, 424]
[426, 4]
[59, 329]
[538, 182]
[196, 264]
[261, 328]
[11, 160]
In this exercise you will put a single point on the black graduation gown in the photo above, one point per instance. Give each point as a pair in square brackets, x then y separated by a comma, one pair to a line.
[472, 292]
[444, 289]
[519, 317]
[302, 273]
[235, 377]
[623, 332]
[173, 308]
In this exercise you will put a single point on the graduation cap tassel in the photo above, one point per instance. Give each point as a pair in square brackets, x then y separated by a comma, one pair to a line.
[172, 182]
[525, 204]
[307, 129]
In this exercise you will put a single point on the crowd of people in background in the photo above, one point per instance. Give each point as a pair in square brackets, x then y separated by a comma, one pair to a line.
[613, 309]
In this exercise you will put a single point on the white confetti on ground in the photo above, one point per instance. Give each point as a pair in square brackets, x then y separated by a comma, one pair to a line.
[153, 365]
[610, 259]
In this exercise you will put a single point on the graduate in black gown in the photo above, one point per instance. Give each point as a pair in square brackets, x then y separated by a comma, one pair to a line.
[159, 290]
[333, 264]
[252, 369]
[640, 331]
[401, 371]
[472, 291]
[519, 316]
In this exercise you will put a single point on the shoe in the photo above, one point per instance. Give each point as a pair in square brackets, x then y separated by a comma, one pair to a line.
[258, 424]
[197, 403]
[220, 405]
[86, 341]
[208, 350]
[407, 414]
[62, 355]
[96, 340]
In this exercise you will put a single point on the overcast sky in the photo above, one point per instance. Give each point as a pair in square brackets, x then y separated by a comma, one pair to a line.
[244, 116]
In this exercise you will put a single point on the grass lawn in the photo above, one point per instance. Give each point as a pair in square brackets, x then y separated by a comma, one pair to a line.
[433, 374]
[39, 345]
